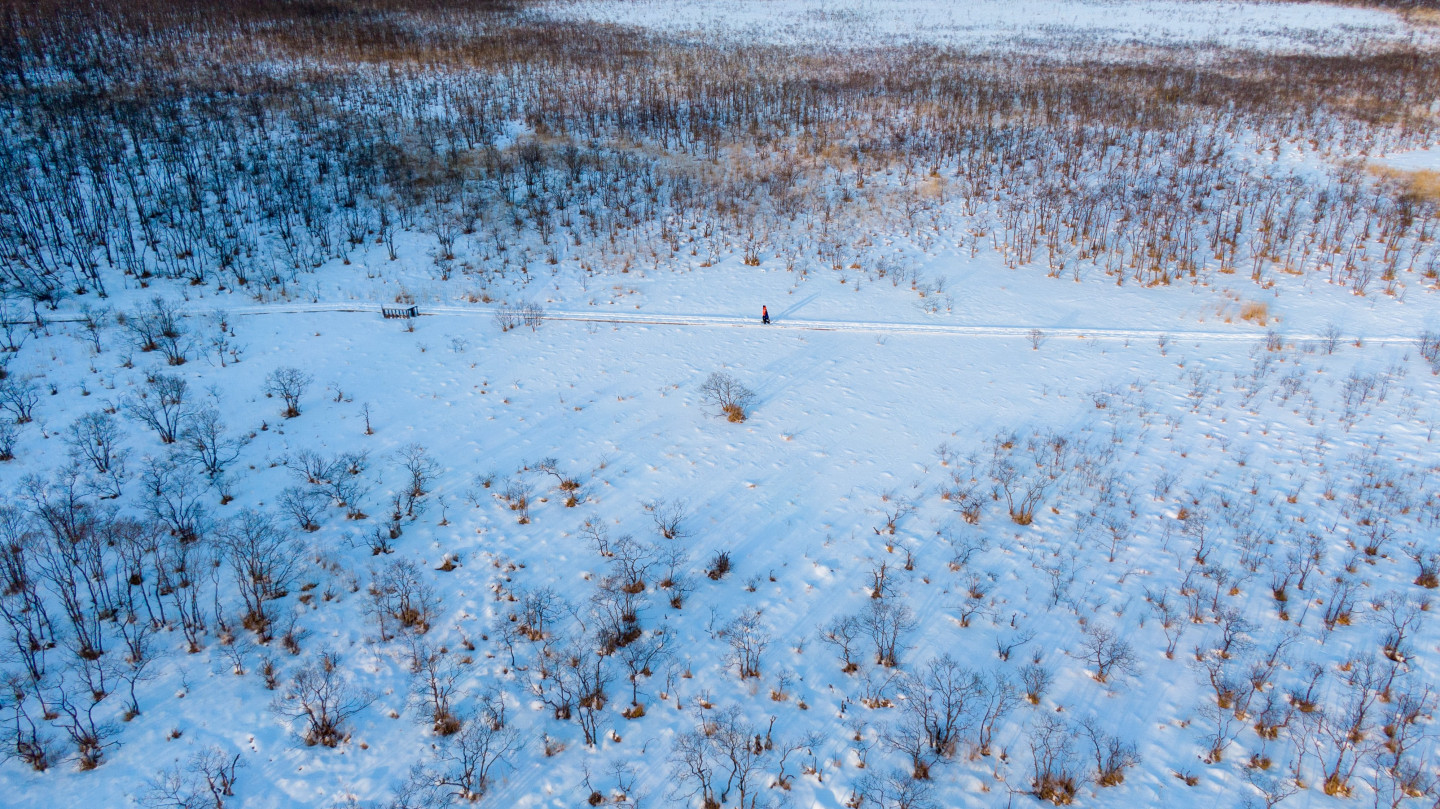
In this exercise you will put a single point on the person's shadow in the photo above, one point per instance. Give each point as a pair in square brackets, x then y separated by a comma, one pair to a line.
[795, 307]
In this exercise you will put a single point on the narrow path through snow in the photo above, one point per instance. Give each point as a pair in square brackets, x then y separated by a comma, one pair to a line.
[723, 321]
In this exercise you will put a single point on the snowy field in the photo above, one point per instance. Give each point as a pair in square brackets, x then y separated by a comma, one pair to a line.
[987, 536]
[1075, 27]
[864, 411]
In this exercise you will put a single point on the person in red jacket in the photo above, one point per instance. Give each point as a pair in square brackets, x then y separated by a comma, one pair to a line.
[765, 315]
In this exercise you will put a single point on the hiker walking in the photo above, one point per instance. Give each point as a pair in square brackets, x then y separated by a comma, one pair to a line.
[765, 315]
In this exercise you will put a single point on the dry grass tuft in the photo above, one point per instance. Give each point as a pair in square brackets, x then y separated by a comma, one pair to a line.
[1255, 312]
[1420, 185]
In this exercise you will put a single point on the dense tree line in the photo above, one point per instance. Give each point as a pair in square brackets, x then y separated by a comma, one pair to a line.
[299, 132]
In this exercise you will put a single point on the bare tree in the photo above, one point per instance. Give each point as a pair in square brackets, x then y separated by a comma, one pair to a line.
[721, 758]
[669, 517]
[21, 737]
[539, 611]
[94, 440]
[157, 325]
[420, 468]
[888, 621]
[748, 638]
[1001, 697]
[1036, 679]
[289, 384]
[517, 495]
[91, 736]
[842, 633]
[18, 397]
[640, 658]
[468, 759]
[264, 560]
[436, 686]
[1106, 652]
[203, 442]
[592, 677]
[694, 762]
[894, 508]
[1056, 777]
[943, 699]
[567, 484]
[1113, 756]
[1024, 471]
[893, 790]
[172, 495]
[323, 699]
[161, 407]
[401, 599]
[1273, 787]
[304, 506]
[725, 393]
[205, 780]
[9, 434]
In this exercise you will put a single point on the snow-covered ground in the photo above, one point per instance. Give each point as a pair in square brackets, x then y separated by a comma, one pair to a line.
[1233, 497]
[1048, 26]
[863, 403]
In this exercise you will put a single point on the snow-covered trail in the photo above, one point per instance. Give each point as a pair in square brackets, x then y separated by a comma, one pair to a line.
[1239, 334]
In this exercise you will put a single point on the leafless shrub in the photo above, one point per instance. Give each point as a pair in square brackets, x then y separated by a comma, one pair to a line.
[895, 789]
[161, 406]
[669, 517]
[527, 313]
[944, 700]
[893, 508]
[158, 325]
[1113, 756]
[435, 686]
[1024, 472]
[1429, 564]
[401, 600]
[1056, 777]
[842, 633]
[888, 622]
[172, 495]
[18, 397]
[747, 638]
[568, 485]
[289, 385]
[304, 506]
[8, 436]
[1428, 344]
[419, 467]
[1036, 680]
[264, 560]
[725, 393]
[516, 494]
[322, 699]
[1107, 653]
[206, 780]
[721, 760]
[507, 317]
[23, 738]
[719, 565]
[204, 443]
[94, 441]
[468, 760]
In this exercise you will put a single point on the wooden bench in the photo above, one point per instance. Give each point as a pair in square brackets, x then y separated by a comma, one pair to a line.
[400, 311]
